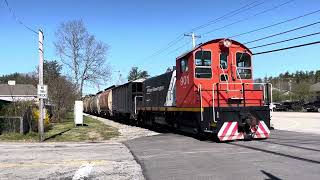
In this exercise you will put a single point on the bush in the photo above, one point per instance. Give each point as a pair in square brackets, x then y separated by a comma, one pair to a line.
[36, 115]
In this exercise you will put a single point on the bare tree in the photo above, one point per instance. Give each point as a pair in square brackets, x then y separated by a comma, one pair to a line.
[83, 55]
[60, 87]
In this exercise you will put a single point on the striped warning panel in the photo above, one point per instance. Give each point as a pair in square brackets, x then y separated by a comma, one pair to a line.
[262, 131]
[229, 131]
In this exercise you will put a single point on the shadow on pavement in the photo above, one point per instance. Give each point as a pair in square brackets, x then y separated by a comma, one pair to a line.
[275, 153]
[270, 176]
[294, 146]
[55, 135]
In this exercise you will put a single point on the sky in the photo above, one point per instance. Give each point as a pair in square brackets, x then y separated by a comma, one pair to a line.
[136, 30]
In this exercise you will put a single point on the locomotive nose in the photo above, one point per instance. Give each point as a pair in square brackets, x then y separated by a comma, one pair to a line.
[248, 125]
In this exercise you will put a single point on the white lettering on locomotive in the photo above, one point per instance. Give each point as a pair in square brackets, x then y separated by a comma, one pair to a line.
[184, 80]
[153, 89]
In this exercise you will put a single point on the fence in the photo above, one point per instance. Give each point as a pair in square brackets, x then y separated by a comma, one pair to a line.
[16, 124]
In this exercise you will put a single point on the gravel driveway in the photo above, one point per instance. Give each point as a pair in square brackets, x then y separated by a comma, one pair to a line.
[127, 132]
[84, 160]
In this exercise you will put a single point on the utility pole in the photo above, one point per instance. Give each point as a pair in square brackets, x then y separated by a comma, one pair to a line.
[41, 103]
[290, 88]
[193, 36]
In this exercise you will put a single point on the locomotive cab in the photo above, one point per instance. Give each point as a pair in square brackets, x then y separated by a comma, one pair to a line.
[215, 79]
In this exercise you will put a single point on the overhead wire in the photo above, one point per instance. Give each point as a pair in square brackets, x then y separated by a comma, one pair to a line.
[281, 33]
[286, 48]
[286, 40]
[180, 47]
[230, 14]
[170, 44]
[247, 18]
[17, 19]
[275, 24]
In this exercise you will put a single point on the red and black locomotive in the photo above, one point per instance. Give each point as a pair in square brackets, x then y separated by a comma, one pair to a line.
[211, 91]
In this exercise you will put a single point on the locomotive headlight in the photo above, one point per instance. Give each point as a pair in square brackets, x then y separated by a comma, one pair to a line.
[227, 43]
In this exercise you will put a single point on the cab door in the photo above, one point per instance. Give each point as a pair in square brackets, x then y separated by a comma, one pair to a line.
[184, 89]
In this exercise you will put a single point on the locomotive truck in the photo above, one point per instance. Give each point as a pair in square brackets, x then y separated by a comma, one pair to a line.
[210, 92]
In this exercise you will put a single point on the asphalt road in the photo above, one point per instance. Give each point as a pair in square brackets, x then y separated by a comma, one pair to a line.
[285, 155]
[297, 121]
[67, 161]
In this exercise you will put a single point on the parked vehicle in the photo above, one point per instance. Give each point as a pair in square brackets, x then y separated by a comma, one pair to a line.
[278, 107]
[312, 106]
[292, 105]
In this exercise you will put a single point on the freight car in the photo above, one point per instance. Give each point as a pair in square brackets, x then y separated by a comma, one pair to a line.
[124, 99]
[105, 102]
[211, 91]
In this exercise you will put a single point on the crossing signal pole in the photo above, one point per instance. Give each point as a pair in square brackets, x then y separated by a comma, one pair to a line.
[193, 36]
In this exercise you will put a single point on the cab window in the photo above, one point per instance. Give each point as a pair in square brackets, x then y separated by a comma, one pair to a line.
[224, 60]
[203, 64]
[203, 58]
[243, 66]
[184, 65]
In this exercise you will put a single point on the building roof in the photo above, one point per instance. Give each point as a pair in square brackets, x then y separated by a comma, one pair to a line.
[315, 87]
[18, 90]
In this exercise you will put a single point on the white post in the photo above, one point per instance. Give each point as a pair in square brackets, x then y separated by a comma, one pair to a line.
[193, 40]
[193, 36]
[41, 104]
[78, 113]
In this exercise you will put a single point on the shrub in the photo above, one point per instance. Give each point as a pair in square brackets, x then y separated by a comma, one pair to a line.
[36, 115]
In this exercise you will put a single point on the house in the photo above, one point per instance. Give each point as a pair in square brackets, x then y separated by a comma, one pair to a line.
[17, 92]
[315, 88]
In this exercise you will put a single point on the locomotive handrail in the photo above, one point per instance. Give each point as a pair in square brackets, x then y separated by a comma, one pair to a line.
[238, 74]
[135, 103]
[213, 109]
[265, 89]
[200, 94]
[225, 76]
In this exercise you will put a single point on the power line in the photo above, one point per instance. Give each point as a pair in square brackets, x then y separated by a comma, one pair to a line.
[291, 47]
[170, 44]
[149, 58]
[17, 19]
[180, 47]
[276, 24]
[277, 34]
[228, 15]
[247, 18]
[286, 40]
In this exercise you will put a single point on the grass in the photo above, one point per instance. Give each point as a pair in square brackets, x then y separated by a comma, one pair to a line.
[93, 130]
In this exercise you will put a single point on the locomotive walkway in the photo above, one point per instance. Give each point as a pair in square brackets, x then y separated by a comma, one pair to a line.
[286, 155]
